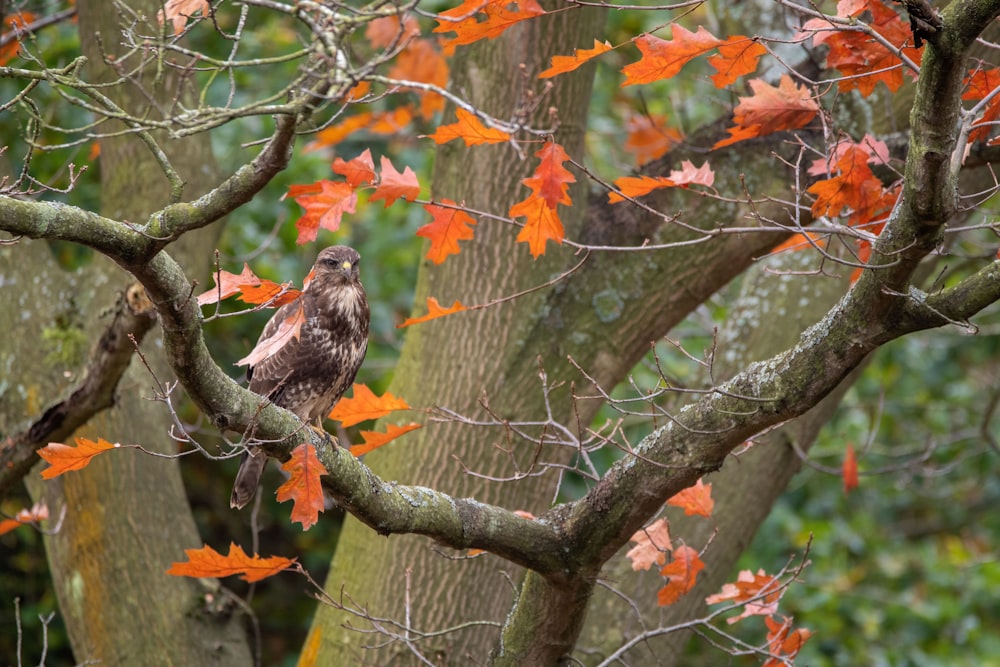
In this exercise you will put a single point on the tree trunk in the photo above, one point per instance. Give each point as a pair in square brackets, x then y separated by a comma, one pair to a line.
[127, 517]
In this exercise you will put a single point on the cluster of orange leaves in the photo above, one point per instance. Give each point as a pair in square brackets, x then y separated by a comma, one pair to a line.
[757, 594]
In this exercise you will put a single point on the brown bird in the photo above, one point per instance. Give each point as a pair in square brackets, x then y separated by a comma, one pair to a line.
[308, 375]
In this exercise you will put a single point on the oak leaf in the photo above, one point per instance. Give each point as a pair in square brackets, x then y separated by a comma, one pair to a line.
[375, 439]
[376, 122]
[422, 62]
[563, 64]
[303, 486]
[64, 458]
[324, 209]
[449, 226]
[13, 23]
[737, 56]
[365, 405]
[855, 186]
[549, 187]
[469, 129]
[268, 292]
[542, 224]
[682, 575]
[358, 171]
[498, 15]
[981, 83]
[648, 137]
[695, 499]
[227, 284]
[207, 562]
[434, 311]
[771, 109]
[179, 11]
[783, 643]
[388, 30]
[760, 592]
[394, 185]
[38, 512]
[662, 59]
[637, 186]
[652, 544]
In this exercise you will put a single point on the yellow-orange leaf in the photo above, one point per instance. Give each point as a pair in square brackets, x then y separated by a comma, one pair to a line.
[542, 224]
[434, 310]
[358, 171]
[695, 499]
[207, 562]
[737, 56]
[498, 15]
[652, 544]
[394, 185]
[289, 328]
[470, 130]
[63, 458]
[563, 64]
[662, 59]
[450, 225]
[303, 487]
[365, 405]
[375, 439]
[682, 574]
[771, 109]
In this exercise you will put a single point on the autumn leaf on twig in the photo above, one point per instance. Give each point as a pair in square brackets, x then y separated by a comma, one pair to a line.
[303, 486]
[207, 562]
[64, 458]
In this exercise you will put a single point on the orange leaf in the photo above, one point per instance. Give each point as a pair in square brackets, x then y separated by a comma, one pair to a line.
[542, 224]
[737, 56]
[207, 562]
[303, 487]
[63, 458]
[652, 545]
[470, 130]
[374, 439]
[770, 109]
[450, 225]
[359, 171]
[269, 292]
[748, 586]
[434, 310]
[377, 122]
[855, 187]
[798, 242]
[384, 31]
[422, 62]
[551, 179]
[39, 512]
[464, 20]
[228, 284]
[682, 574]
[695, 499]
[982, 82]
[289, 328]
[179, 11]
[324, 209]
[365, 405]
[637, 186]
[862, 59]
[662, 59]
[783, 644]
[563, 64]
[649, 137]
[15, 23]
[850, 470]
[393, 185]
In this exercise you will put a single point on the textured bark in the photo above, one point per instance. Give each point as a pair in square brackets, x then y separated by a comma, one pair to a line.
[126, 515]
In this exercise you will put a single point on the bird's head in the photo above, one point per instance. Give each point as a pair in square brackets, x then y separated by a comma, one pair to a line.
[337, 265]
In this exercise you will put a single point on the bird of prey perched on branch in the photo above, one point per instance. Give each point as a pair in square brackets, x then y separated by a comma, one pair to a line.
[308, 374]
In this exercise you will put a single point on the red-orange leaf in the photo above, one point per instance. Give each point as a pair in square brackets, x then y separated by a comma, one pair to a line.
[207, 562]
[359, 171]
[13, 23]
[799, 242]
[450, 226]
[303, 487]
[783, 644]
[179, 11]
[286, 331]
[695, 499]
[434, 311]
[63, 458]
[497, 15]
[652, 544]
[551, 179]
[470, 130]
[648, 137]
[850, 470]
[637, 186]
[382, 32]
[422, 62]
[764, 587]
[982, 82]
[854, 187]
[365, 405]
[324, 209]
[662, 59]
[38, 512]
[542, 224]
[737, 56]
[228, 284]
[563, 64]
[377, 122]
[269, 292]
[771, 109]
[682, 574]
[375, 439]
[394, 185]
